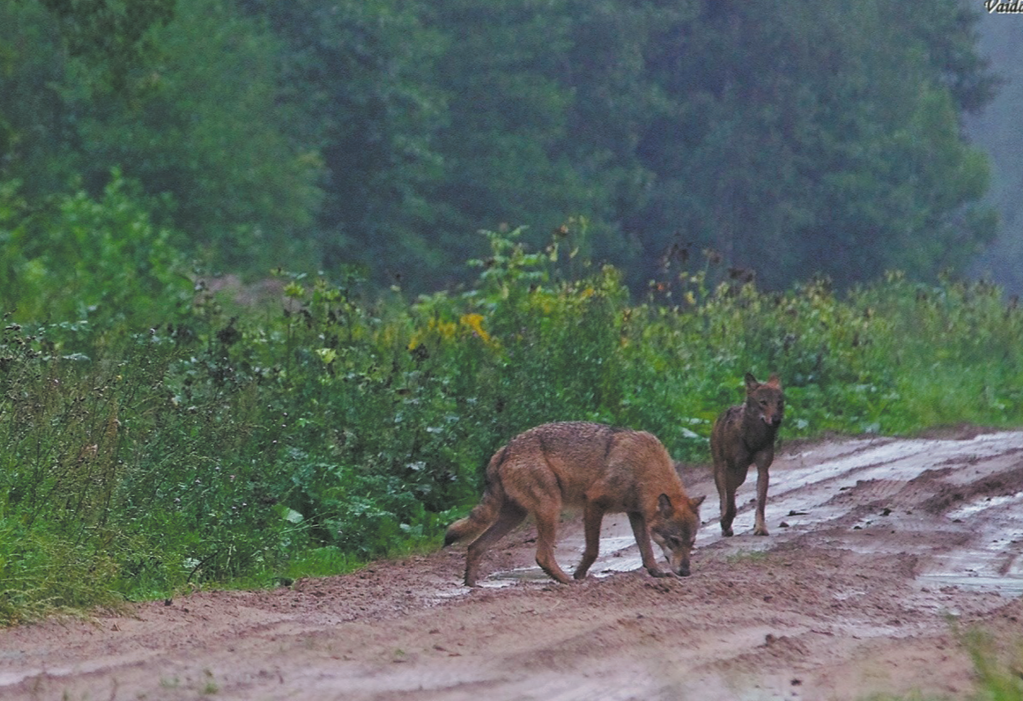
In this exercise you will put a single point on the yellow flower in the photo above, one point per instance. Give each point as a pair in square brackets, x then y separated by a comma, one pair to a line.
[475, 322]
[445, 329]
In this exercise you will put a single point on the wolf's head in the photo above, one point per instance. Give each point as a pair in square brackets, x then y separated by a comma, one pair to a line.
[765, 401]
[674, 529]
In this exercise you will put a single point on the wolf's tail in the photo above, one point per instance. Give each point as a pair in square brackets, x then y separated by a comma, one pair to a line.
[482, 516]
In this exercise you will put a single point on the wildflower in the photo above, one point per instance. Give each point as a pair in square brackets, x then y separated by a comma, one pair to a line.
[445, 329]
[475, 322]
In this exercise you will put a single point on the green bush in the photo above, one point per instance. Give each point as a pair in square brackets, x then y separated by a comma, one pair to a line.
[77, 259]
[235, 445]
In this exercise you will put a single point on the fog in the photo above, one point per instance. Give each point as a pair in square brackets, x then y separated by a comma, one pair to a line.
[999, 131]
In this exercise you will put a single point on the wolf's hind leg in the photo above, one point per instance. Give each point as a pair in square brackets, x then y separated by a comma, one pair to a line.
[511, 515]
[546, 534]
[727, 506]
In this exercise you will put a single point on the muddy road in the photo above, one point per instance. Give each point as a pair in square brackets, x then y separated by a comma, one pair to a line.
[882, 551]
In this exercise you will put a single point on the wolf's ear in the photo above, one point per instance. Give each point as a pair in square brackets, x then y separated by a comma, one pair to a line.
[774, 381]
[695, 503]
[664, 505]
[751, 382]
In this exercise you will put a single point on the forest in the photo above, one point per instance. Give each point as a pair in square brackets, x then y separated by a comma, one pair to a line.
[794, 138]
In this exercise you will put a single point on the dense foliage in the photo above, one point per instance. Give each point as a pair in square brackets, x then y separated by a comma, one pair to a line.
[793, 137]
[254, 444]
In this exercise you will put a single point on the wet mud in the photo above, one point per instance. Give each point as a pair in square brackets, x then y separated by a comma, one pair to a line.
[882, 553]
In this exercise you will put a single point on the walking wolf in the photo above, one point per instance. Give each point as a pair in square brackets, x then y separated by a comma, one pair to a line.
[597, 467]
[743, 435]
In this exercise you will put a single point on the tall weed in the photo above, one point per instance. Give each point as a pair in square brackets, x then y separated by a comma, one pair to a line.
[250, 444]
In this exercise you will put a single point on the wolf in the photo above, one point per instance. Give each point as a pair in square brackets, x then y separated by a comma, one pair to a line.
[743, 435]
[579, 464]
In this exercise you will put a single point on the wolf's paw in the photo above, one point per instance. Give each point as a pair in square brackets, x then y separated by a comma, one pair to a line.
[760, 531]
[727, 532]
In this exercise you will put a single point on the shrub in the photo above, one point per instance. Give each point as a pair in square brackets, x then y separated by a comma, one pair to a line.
[247, 445]
[83, 259]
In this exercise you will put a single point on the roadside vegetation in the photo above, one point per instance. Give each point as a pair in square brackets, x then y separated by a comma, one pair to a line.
[155, 436]
[997, 668]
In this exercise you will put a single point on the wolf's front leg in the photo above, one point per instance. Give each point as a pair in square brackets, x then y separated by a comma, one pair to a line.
[727, 486]
[763, 462]
[646, 550]
[593, 515]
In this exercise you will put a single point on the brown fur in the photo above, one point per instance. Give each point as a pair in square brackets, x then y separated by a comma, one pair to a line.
[600, 468]
[744, 435]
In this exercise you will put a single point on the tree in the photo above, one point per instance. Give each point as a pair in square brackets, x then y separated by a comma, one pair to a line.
[36, 131]
[111, 35]
[793, 137]
[362, 72]
[212, 132]
[42, 42]
[192, 113]
[814, 139]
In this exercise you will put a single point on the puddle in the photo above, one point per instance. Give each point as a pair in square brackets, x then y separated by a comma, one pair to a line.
[986, 504]
[802, 496]
[993, 561]
[1010, 587]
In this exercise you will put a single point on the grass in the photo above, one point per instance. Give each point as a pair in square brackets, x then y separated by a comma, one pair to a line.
[748, 556]
[998, 669]
[250, 447]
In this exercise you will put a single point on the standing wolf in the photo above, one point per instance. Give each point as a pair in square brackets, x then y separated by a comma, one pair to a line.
[744, 435]
[600, 468]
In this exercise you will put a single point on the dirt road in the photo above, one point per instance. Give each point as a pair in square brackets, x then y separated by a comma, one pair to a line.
[880, 550]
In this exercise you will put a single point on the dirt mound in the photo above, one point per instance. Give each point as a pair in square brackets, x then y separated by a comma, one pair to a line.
[876, 545]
